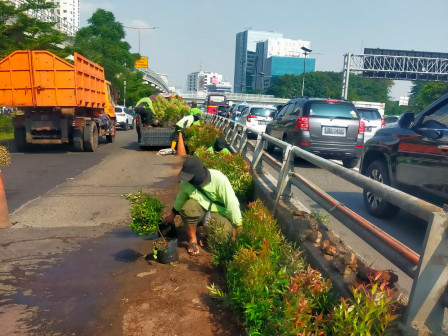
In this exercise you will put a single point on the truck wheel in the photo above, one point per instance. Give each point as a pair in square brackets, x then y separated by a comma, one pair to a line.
[92, 144]
[20, 140]
[375, 205]
[78, 140]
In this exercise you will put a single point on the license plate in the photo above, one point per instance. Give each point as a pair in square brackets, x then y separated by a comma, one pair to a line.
[262, 122]
[369, 129]
[333, 131]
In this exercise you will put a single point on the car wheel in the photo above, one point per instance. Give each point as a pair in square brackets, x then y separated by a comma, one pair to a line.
[126, 125]
[375, 205]
[350, 163]
[267, 146]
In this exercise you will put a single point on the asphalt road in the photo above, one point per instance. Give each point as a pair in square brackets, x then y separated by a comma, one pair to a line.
[70, 258]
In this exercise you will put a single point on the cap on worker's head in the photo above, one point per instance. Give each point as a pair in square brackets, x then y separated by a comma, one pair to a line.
[192, 166]
[196, 117]
[220, 144]
[194, 104]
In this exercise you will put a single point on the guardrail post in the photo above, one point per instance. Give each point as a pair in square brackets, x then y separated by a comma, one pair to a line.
[283, 183]
[425, 311]
[235, 135]
[228, 130]
[243, 141]
[258, 153]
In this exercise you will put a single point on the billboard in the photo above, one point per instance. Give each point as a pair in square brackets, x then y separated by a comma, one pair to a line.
[141, 63]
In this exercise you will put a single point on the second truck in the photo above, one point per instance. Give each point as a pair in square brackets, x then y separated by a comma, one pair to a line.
[58, 102]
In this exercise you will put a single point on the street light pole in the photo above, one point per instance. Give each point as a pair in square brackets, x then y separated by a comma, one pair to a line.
[306, 51]
[124, 94]
[139, 28]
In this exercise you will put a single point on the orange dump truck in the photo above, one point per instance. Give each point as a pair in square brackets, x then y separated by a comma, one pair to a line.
[58, 102]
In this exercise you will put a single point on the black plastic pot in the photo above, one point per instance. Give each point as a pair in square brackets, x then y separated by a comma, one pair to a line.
[168, 253]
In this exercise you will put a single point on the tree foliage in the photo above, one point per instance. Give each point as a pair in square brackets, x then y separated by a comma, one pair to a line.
[102, 41]
[423, 94]
[329, 85]
[21, 31]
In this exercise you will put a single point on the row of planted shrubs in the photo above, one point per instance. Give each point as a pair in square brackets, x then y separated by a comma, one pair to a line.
[277, 293]
[268, 282]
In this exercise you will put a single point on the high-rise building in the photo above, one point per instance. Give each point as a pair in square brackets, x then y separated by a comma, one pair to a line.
[278, 56]
[198, 81]
[66, 14]
[246, 43]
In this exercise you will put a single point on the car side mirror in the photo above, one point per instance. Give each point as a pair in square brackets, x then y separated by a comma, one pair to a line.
[273, 114]
[430, 133]
[406, 119]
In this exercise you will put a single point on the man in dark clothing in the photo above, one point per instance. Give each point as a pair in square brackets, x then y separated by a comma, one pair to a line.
[144, 114]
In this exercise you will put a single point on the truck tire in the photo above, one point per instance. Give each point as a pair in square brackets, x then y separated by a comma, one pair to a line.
[376, 206]
[20, 140]
[91, 143]
[78, 139]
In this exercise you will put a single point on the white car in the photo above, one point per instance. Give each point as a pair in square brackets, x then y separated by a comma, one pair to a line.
[372, 121]
[257, 116]
[125, 118]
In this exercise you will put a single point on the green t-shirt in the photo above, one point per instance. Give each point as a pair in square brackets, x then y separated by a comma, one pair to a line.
[148, 103]
[224, 150]
[219, 189]
[195, 110]
[186, 121]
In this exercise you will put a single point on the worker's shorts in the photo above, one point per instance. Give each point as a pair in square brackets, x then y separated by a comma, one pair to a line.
[193, 213]
[146, 115]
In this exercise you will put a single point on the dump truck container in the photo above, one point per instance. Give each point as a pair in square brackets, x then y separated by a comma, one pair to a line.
[59, 102]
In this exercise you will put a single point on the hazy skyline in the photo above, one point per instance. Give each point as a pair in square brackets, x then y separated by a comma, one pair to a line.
[195, 32]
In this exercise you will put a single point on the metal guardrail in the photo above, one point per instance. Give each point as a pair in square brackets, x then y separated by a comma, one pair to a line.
[425, 310]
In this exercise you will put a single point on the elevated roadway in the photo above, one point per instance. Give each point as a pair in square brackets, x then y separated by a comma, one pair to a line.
[155, 80]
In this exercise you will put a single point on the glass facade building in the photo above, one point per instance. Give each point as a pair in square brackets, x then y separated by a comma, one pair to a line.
[245, 48]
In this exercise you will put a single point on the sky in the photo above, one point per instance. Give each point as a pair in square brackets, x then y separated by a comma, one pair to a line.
[192, 33]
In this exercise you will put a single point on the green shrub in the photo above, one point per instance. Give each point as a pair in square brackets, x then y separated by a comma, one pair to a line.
[269, 285]
[201, 136]
[6, 124]
[171, 109]
[234, 167]
[146, 212]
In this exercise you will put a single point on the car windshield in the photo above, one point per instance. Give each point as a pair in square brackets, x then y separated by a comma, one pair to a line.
[372, 114]
[241, 107]
[261, 112]
[325, 109]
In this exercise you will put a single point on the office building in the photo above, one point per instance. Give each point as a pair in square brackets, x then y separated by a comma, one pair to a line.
[246, 44]
[199, 80]
[66, 15]
[277, 57]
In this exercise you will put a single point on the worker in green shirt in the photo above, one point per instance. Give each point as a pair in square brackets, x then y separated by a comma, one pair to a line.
[144, 114]
[219, 146]
[194, 109]
[203, 190]
[181, 126]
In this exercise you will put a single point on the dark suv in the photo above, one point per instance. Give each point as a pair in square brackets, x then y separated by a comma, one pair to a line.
[411, 155]
[326, 127]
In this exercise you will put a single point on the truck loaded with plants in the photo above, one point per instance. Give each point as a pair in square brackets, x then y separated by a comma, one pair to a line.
[167, 111]
[59, 102]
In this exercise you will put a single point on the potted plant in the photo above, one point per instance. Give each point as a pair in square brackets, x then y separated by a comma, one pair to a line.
[146, 214]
